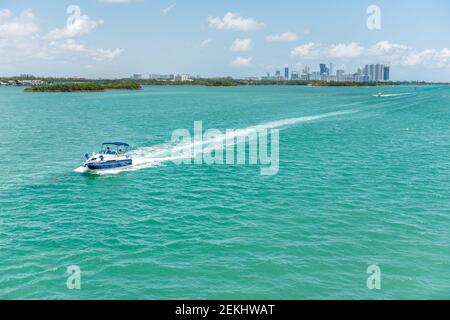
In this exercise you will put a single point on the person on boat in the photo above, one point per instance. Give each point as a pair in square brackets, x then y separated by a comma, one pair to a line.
[108, 150]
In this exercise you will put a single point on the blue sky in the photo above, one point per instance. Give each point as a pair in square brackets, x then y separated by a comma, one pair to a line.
[222, 37]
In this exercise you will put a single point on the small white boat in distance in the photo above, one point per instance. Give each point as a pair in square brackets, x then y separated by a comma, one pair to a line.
[112, 155]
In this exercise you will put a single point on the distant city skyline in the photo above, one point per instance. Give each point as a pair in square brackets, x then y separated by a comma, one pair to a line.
[370, 73]
[115, 39]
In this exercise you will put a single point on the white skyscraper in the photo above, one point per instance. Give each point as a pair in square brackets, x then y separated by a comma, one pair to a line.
[306, 69]
[379, 72]
[340, 75]
[372, 72]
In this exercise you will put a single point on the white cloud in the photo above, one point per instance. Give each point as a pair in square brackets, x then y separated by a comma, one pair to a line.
[428, 57]
[345, 51]
[387, 48]
[19, 36]
[241, 62]
[233, 21]
[338, 51]
[388, 51]
[20, 40]
[307, 51]
[287, 36]
[402, 55]
[445, 53]
[72, 45]
[101, 54]
[241, 45]
[23, 26]
[205, 42]
[382, 52]
[416, 58]
[80, 26]
[168, 9]
[5, 14]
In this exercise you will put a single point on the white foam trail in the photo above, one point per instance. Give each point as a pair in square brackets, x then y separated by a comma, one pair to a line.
[291, 121]
[81, 169]
[157, 155]
[392, 94]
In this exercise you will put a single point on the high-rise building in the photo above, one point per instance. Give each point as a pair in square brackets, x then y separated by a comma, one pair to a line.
[376, 72]
[27, 76]
[340, 75]
[307, 76]
[372, 72]
[386, 73]
[182, 77]
[278, 76]
[161, 77]
[315, 76]
[266, 77]
[306, 69]
[369, 73]
[168, 77]
[379, 72]
[136, 76]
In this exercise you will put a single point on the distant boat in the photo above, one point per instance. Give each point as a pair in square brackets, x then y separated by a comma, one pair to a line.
[112, 155]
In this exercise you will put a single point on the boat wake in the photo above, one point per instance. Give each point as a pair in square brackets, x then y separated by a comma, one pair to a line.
[146, 157]
[393, 94]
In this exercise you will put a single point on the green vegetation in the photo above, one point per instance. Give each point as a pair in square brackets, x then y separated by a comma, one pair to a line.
[220, 82]
[129, 85]
[99, 85]
[216, 82]
[229, 82]
[103, 85]
[67, 87]
[85, 87]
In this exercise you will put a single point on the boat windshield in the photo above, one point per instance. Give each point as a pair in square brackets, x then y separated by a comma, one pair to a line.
[114, 148]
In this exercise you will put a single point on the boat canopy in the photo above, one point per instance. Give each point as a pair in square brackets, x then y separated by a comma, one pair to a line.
[118, 144]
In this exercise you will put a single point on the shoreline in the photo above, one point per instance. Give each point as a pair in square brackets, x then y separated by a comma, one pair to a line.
[137, 86]
[105, 90]
[85, 87]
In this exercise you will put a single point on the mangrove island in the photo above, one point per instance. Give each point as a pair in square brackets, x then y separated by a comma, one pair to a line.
[85, 87]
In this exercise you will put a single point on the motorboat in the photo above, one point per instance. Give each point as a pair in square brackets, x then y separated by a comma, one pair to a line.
[111, 155]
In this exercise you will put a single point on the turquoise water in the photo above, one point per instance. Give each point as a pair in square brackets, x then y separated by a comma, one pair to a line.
[370, 185]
